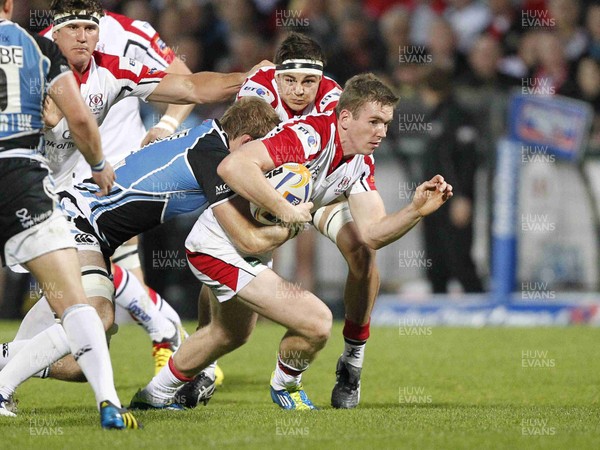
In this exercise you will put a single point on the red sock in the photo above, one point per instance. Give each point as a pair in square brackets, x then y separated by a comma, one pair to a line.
[355, 332]
[177, 373]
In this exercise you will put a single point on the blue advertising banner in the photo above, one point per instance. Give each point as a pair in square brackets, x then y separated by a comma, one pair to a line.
[550, 124]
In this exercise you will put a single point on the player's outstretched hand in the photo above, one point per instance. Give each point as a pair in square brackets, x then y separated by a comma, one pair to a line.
[153, 134]
[432, 194]
[105, 179]
[263, 63]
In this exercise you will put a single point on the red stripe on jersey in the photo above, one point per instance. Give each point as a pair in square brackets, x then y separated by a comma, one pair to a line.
[46, 31]
[154, 40]
[290, 145]
[215, 269]
[371, 178]
[111, 63]
[285, 147]
[127, 24]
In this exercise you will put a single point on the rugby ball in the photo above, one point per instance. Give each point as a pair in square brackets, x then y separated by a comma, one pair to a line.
[291, 180]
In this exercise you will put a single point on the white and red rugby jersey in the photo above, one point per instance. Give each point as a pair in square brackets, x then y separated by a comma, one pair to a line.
[263, 84]
[313, 140]
[123, 130]
[107, 80]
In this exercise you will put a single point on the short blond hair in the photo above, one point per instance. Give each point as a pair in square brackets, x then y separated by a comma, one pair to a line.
[251, 116]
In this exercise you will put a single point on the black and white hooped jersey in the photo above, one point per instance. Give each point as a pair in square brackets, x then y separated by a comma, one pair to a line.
[169, 177]
[28, 66]
[313, 140]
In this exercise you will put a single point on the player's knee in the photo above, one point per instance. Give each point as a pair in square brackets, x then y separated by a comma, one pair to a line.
[106, 313]
[361, 259]
[99, 289]
[320, 328]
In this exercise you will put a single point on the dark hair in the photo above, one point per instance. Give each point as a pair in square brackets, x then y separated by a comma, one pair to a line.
[298, 46]
[249, 115]
[65, 6]
[362, 89]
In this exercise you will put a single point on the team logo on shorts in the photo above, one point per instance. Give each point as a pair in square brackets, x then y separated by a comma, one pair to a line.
[85, 239]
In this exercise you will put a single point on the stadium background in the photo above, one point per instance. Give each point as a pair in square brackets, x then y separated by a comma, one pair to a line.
[496, 47]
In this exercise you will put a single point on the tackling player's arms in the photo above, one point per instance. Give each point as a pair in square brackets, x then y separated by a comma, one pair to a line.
[246, 234]
[253, 160]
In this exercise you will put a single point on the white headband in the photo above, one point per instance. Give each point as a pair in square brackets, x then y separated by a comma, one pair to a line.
[308, 66]
[64, 19]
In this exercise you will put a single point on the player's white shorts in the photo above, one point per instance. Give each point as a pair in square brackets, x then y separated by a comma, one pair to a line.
[217, 263]
[83, 232]
[48, 236]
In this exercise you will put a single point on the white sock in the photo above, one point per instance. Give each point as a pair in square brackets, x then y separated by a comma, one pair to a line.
[354, 352]
[37, 319]
[165, 384]
[165, 308]
[286, 376]
[10, 349]
[36, 355]
[87, 341]
[131, 295]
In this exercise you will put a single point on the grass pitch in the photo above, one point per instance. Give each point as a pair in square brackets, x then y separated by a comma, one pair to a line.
[423, 388]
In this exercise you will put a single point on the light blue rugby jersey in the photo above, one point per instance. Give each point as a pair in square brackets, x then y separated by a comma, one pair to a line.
[167, 178]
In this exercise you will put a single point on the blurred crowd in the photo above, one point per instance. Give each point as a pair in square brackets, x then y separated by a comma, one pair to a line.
[453, 63]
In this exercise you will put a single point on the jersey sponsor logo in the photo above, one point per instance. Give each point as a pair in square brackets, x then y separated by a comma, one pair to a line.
[161, 44]
[308, 137]
[130, 65]
[11, 55]
[252, 88]
[332, 96]
[85, 239]
[222, 189]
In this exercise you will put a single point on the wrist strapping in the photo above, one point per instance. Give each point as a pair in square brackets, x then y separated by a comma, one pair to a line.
[168, 123]
[99, 167]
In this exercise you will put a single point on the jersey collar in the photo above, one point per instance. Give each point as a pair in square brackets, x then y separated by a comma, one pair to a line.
[86, 73]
